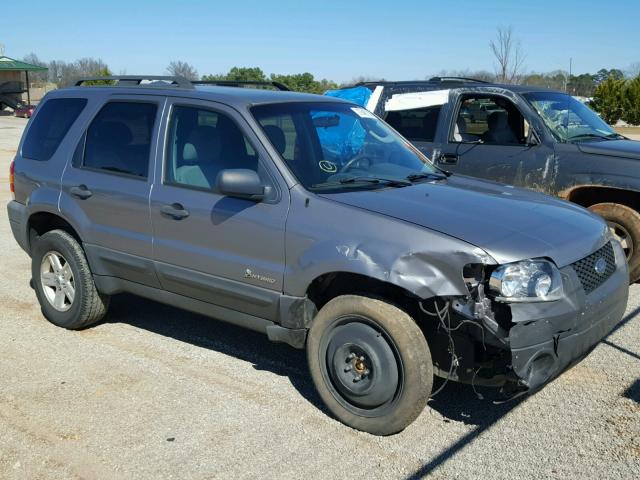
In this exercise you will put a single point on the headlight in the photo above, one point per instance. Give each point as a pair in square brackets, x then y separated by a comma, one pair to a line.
[527, 281]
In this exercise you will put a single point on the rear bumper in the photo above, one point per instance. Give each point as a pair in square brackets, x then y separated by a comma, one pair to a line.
[17, 213]
[549, 338]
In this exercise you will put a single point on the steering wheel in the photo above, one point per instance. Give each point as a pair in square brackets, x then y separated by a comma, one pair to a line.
[347, 166]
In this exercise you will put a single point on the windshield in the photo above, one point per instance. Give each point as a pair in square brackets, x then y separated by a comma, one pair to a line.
[337, 146]
[568, 118]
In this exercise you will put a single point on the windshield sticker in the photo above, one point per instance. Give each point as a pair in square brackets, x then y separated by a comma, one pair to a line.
[327, 166]
[362, 113]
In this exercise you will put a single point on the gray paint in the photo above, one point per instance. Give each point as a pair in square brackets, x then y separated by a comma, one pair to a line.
[418, 238]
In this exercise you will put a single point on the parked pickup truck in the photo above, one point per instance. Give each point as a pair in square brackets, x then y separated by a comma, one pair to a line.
[519, 135]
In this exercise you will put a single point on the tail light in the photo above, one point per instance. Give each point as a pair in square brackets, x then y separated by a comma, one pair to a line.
[12, 178]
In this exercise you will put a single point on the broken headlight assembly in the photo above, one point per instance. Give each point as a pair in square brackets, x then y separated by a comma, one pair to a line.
[526, 281]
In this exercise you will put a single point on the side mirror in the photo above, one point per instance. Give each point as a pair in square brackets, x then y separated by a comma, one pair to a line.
[241, 183]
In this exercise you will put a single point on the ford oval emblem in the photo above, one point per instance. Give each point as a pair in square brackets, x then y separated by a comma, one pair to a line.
[600, 266]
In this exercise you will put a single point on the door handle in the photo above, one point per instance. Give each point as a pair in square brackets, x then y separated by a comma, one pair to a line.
[175, 211]
[449, 158]
[81, 191]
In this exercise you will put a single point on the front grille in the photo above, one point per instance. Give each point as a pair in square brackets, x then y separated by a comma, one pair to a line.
[586, 268]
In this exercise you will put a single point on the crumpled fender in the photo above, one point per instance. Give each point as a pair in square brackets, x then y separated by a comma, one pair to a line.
[325, 237]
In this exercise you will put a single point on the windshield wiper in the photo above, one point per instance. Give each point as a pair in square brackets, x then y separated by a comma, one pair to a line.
[392, 182]
[431, 176]
[589, 135]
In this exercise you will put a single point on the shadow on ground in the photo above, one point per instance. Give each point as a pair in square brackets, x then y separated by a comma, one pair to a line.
[459, 403]
[456, 402]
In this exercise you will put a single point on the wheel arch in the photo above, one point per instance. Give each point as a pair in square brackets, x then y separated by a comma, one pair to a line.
[589, 195]
[42, 222]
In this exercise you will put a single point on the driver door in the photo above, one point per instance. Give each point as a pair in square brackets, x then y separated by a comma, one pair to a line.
[222, 250]
[490, 138]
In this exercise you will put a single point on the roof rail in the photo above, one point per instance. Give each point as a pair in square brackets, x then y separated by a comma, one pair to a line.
[241, 83]
[456, 79]
[136, 80]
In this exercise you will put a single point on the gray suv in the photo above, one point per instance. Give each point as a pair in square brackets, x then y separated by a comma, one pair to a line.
[309, 219]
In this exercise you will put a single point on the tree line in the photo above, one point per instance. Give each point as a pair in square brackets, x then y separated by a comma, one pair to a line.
[616, 96]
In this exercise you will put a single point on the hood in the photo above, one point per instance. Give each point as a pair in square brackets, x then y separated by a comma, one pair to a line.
[613, 148]
[509, 223]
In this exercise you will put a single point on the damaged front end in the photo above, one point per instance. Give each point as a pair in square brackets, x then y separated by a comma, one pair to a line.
[523, 342]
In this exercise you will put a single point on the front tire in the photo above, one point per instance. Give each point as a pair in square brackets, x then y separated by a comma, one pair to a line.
[63, 282]
[624, 223]
[370, 364]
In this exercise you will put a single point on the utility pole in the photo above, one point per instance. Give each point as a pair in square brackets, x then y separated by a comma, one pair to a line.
[570, 69]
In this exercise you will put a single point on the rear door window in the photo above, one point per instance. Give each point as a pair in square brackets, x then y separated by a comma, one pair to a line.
[119, 138]
[417, 125]
[49, 127]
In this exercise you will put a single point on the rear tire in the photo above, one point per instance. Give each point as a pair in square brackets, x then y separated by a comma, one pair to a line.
[370, 364]
[624, 223]
[63, 282]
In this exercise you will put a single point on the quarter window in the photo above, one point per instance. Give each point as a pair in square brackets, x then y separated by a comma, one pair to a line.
[119, 138]
[50, 125]
[200, 144]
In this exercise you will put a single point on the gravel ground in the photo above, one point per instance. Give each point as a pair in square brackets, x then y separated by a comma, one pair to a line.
[155, 392]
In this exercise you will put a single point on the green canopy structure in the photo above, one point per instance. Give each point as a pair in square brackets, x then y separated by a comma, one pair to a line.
[10, 79]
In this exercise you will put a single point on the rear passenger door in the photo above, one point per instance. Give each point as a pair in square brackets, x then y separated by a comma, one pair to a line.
[106, 187]
[222, 250]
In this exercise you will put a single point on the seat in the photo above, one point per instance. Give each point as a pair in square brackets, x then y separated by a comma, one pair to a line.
[233, 151]
[200, 158]
[107, 146]
[500, 131]
[277, 138]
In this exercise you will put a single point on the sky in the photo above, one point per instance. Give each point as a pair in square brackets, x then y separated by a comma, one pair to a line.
[338, 40]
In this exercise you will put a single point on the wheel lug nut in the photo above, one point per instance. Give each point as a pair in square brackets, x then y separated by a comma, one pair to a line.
[357, 378]
[351, 356]
[361, 359]
[347, 368]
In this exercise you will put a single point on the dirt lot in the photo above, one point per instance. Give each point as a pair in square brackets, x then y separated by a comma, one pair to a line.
[631, 132]
[154, 392]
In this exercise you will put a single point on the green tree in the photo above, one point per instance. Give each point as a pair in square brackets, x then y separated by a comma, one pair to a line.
[102, 72]
[608, 99]
[631, 102]
[239, 74]
[304, 82]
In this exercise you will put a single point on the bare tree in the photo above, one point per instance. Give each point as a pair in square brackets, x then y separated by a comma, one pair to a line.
[182, 69]
[509, 56]
[633, 70]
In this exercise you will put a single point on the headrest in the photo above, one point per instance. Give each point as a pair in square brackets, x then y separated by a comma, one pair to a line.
[113, 132]
[277, 138]
[497, 120]
[203, 144]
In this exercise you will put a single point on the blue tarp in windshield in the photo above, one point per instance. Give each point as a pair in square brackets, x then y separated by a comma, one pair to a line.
[343, 137]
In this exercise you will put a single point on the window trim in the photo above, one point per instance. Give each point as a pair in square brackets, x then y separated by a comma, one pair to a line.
[213, 190]
[83, 139]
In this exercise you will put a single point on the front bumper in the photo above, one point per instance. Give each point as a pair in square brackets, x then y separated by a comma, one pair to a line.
[548, 338]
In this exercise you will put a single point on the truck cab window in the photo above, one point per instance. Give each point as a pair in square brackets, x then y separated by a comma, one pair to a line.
[490, 120]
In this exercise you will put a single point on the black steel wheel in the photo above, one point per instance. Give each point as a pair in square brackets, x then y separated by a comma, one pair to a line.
[370, 363]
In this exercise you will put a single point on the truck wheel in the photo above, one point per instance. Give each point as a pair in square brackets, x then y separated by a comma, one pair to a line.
[63, 282]
[370, 364]
[624, 223]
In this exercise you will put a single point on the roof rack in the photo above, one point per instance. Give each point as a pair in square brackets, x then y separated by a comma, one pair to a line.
[456, 79]
[136, 80]
[241, 83]
[414, 82]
